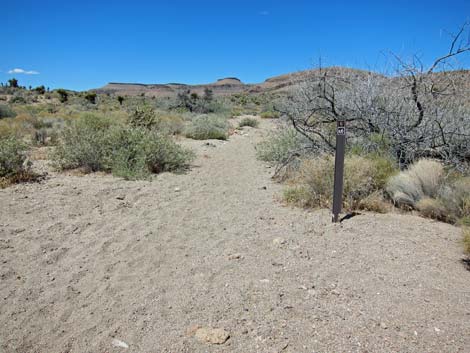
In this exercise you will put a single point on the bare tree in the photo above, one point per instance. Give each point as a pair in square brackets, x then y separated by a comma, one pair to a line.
[418, 112]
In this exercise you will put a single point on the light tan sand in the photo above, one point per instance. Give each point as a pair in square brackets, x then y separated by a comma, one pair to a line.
[88, 259]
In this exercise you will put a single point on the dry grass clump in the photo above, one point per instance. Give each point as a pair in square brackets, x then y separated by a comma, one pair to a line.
[364, 178]
[466, 240]
[422, 179]
[426, 187]
[252, 122]
[270, 115]
[432, 208]
[375, 202]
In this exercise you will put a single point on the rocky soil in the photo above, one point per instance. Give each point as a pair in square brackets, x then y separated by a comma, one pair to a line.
[212, 261]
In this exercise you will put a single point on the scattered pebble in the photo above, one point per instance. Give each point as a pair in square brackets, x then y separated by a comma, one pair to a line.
[177, 189]
[118, 343]
[211, 335]
[279, 241]
[120, 197]
[235, 256]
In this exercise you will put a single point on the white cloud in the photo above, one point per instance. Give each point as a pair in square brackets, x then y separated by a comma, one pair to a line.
[24, 72]
[264, 13]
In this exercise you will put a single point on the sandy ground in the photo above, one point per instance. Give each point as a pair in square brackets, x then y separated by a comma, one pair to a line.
[88, 259]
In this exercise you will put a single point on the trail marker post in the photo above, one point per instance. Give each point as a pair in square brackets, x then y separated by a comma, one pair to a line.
[339, 169]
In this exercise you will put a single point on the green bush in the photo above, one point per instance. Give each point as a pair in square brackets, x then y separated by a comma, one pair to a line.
[145, 117]
[270, 115]
[12, 156]
[6, 112]
[148, 118]
[91, 97]
[130, 152]
[205, 127]
[252, 122]
[85, 143]
[63, 95]
[14, 167]
[280, 145]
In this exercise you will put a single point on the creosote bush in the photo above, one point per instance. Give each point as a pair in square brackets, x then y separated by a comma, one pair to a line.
[205, 127]
[6, 112]
[281, 145]
[13, 162]
[99, 144]
[148, 118]
[252, 122]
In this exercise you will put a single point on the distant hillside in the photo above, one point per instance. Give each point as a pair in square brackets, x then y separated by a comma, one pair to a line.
[221, 87]
[231, 85]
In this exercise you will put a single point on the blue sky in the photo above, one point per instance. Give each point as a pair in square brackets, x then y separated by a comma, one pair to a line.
[85, 44]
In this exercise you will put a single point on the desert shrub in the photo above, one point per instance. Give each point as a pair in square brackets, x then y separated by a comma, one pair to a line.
[148, 118]
[455, 196]
[18, 100]
[172, 124]
[63, 95]
[205, 127]
[280, 145]
[422, 179]
[144, 116]
[85, 143]
[91, 97]
[141, 152]
[252, 122]
[129, 152]
[6, 112]
[40, 89]
[363, 176]
[14, 166]
[375, 202]
[466, 240]
[432, 208]
[270, 115]
[12, 156]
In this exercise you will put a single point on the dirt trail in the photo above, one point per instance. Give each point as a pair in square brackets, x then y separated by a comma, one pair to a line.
[85, 259]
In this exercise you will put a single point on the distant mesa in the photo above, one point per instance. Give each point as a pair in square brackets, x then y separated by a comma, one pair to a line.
[229, 81]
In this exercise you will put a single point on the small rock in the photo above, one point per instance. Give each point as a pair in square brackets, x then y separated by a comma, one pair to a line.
[312, 292]
[192, 330]
[118, 343]
[335, 292]
[279, 241]
[235, 256]
[212, 335]
[177, 189]
[436, 329]
[383, 325]
[120, 197]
